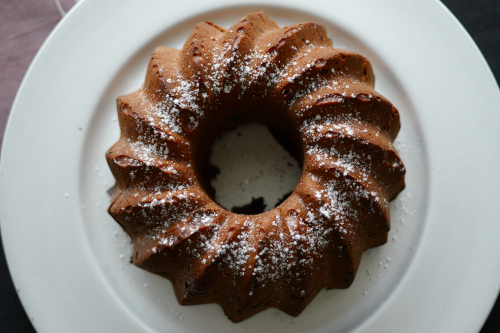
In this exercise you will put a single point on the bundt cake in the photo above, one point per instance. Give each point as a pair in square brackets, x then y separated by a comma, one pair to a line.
[317, 98]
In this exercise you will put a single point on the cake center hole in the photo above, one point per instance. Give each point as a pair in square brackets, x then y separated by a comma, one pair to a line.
[255, 173]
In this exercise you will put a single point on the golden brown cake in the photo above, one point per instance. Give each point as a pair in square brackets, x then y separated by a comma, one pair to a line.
[317, 98]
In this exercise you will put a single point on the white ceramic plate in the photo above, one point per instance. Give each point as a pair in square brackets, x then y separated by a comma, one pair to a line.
[440, 270]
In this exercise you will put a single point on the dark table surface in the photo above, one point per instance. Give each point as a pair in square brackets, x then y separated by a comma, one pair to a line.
[25, 24]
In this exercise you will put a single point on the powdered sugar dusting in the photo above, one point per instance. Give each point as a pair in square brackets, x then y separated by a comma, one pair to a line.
[147, 153]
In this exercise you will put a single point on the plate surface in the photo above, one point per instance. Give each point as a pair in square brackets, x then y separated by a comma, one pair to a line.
[70, 260]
